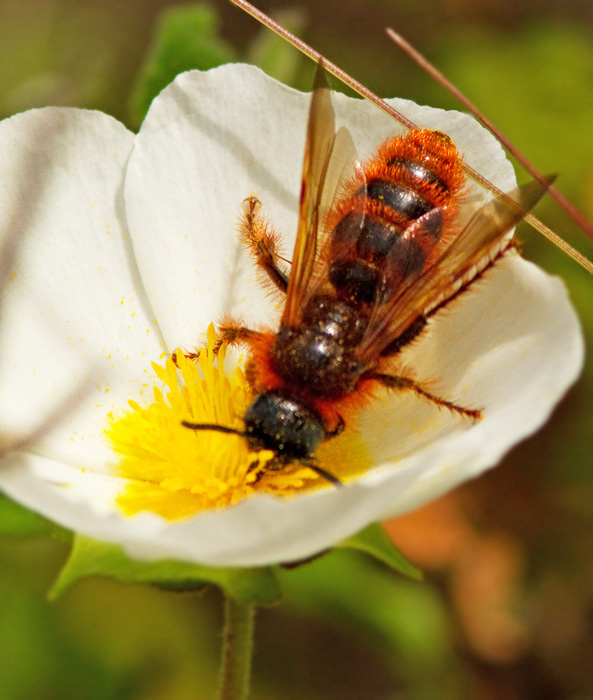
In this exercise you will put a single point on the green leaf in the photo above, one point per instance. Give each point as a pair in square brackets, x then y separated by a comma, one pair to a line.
[374, 540]
[17, 521]
[274, 55]
[94, 558]
[391, 614]
[185, 38]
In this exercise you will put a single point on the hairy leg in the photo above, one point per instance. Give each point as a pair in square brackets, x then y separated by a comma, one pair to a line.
[407, 384]
[262, 243]
[232, 332]
[229, 331]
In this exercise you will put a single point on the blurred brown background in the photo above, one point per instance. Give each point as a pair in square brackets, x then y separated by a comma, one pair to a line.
[506, 611]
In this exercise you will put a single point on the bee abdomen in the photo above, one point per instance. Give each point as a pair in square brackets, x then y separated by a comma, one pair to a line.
[394, 222]
[416, 174]
[399, 198]
[371, 254]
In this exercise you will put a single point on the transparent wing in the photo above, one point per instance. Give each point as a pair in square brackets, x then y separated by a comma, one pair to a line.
[340, 168]
[329, 157]
[480, 242]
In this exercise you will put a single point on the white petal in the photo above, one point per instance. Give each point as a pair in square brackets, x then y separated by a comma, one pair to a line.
[195, 161]
[210, 140]
[535, 354]
[75, 319]
[513, 347]
[520, 374]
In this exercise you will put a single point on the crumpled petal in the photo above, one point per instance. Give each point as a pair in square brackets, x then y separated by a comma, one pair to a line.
[512, 345]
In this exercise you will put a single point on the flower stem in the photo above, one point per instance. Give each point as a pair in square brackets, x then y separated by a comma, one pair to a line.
[237, 650]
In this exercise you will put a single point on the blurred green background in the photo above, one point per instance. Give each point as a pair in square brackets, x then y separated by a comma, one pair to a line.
[506, 611]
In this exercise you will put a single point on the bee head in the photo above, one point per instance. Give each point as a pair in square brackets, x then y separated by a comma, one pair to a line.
[279, 422]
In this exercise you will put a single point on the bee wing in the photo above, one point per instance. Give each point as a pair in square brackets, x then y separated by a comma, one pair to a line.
[329, 156]
[340, 168]
[477, 245]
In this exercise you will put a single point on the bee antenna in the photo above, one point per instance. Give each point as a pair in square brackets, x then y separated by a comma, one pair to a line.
[321, 472]
[241, 433]
[213, 426]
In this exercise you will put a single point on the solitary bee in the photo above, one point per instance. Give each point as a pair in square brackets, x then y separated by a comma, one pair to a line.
[379, 250]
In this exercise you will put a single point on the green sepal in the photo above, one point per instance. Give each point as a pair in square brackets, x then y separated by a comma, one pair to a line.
[18, 521]
[94, 558]
[374, 540]
[185, 38]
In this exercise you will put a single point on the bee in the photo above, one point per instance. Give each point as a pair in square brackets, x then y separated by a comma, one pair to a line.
[379, 250]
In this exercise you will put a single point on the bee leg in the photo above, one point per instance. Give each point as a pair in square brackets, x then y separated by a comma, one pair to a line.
[188, 356]
[406, 384]
[262, 243]
[230, 332]
[337, 430]
[410, 334]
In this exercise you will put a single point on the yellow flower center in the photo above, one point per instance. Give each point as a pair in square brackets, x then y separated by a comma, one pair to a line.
[175, 471]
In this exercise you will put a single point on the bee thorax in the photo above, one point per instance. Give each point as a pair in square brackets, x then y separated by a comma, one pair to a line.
[319, 354]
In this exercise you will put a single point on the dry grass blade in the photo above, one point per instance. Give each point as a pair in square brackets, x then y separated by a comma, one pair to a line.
[363, 91]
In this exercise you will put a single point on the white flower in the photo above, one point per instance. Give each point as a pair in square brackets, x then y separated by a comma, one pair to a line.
[129, 249]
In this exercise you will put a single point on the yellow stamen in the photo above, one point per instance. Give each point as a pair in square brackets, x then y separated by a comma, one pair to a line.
[175, 471]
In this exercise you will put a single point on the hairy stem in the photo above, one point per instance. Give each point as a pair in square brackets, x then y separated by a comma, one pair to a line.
[237, 650]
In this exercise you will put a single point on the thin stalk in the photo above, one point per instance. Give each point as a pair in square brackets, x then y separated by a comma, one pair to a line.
[237, 650]
[565, 203]
[401, 119]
